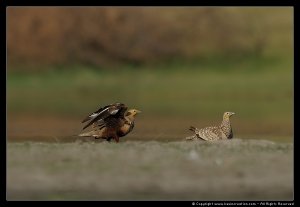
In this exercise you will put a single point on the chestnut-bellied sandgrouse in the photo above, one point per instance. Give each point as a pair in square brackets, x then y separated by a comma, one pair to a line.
[224, 131]
[110, 122]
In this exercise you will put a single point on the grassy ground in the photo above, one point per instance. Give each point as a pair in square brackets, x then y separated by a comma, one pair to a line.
[133, 170]
[171, 97]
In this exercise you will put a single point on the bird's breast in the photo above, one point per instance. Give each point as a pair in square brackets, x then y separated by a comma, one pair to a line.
[126, 128]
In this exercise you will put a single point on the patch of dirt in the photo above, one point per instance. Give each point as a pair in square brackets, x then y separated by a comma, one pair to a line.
[136, 170]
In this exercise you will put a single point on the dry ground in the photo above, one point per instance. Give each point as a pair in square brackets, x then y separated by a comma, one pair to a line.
[134, 170]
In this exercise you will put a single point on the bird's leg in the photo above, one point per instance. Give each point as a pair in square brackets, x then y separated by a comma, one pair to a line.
[116, 137]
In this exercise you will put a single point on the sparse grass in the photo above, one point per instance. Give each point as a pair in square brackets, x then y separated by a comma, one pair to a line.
[136, 170]
[260, 91]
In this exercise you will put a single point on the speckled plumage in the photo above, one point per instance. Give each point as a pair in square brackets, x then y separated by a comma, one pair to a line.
[223, 131]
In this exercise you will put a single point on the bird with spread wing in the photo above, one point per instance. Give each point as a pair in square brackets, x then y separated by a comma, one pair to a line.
[110, 122]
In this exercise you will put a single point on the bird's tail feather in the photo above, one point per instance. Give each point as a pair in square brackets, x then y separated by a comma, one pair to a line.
[193, 129]
[191, 138]
[87, 134]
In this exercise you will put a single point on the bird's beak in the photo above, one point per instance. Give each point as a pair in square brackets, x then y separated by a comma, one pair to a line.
[232, 113]
[137, 111]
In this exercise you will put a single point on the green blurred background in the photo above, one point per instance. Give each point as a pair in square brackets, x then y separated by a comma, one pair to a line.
[180, 66]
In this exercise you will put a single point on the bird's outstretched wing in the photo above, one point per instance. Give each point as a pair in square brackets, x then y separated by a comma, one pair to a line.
[116, 110]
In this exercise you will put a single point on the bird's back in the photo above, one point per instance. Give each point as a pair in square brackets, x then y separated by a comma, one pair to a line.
[209, 133]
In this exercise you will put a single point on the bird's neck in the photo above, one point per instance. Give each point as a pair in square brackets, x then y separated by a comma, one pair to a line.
[130, 118]
[226, 127]
[225, 122]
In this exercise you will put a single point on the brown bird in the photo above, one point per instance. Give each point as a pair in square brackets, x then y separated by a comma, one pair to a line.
[224, 131]
[110, 122]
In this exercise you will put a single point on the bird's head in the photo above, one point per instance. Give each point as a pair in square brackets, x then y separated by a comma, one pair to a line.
[228, 114]
[132, 112]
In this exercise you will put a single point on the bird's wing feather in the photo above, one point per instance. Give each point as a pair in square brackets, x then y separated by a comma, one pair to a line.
[209, 133]
[96, 113]
[100, 115]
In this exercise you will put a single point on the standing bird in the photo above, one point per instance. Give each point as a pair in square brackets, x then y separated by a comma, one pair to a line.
[224, 131]
[110, 122]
